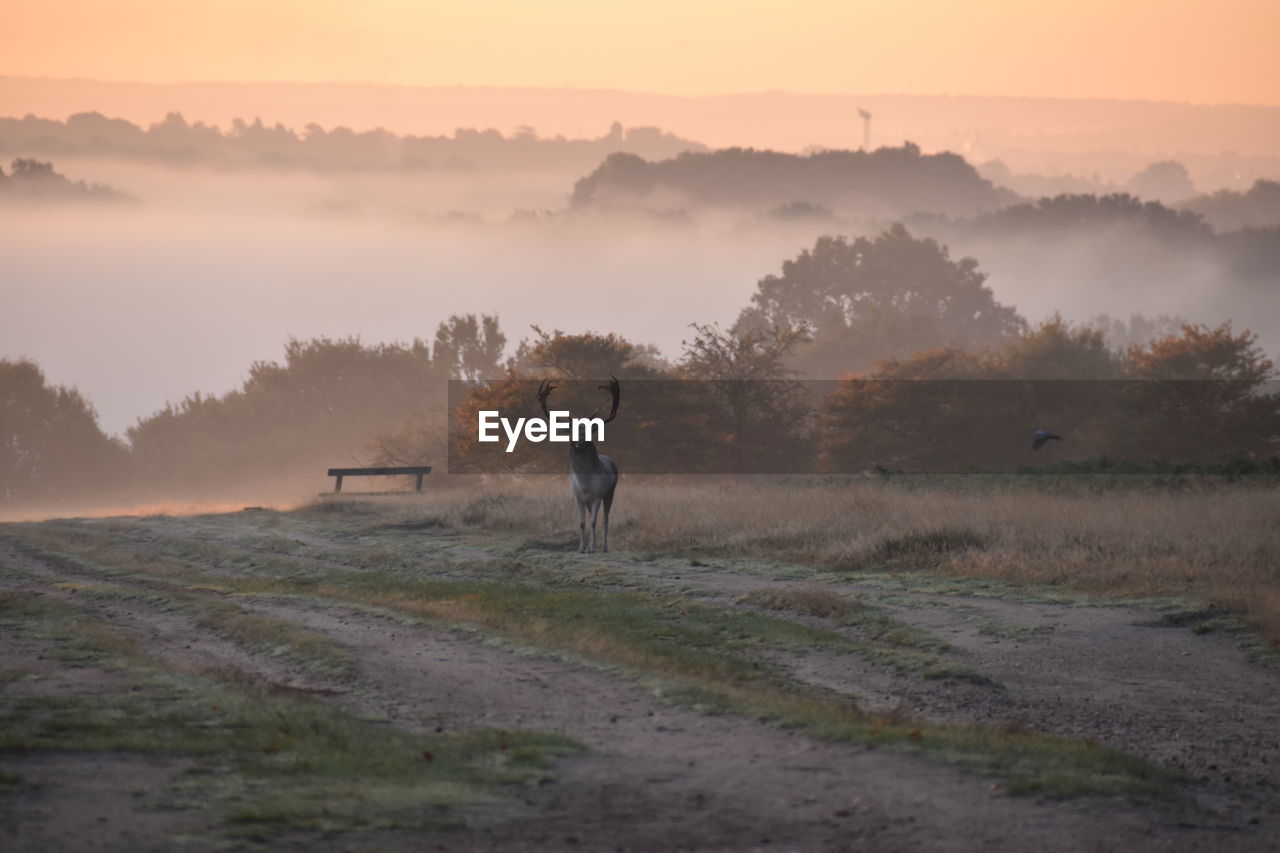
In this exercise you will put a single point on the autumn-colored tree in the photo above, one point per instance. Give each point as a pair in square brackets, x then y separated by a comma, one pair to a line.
[513, 397]
[1199, 352]
[1056, 349]
[583, 356]
[950, 410]
[1203, 395]
[930, 412]
[666, 424]
[1066, 381]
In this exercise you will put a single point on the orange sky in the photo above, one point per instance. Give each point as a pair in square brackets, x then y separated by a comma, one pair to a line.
[1182, 50]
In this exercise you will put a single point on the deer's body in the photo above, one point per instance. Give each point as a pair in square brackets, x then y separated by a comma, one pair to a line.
[593, 478]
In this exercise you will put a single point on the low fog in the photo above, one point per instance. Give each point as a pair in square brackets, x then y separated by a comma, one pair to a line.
[139, 305]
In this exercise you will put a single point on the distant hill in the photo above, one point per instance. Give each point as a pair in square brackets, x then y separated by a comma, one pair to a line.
[1228, 211]
[1225, 146]
[1064, 213]
[887, 182]
[177, 141]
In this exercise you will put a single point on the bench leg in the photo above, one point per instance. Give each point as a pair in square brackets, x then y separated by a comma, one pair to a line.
[337, 487]
[419, 483]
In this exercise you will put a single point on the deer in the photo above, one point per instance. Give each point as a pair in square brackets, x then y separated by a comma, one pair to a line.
[593, 477]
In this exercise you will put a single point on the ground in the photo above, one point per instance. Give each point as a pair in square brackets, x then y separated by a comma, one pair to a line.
[631, 701]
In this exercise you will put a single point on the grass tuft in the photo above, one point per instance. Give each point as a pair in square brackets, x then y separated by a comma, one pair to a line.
[924, 549]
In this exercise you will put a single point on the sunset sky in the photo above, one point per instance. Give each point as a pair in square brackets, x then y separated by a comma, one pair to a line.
[1183, 50]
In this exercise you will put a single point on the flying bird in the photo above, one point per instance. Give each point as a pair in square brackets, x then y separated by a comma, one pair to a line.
[1043, 437]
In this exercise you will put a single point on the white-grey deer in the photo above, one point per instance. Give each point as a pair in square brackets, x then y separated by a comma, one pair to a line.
[593, 477]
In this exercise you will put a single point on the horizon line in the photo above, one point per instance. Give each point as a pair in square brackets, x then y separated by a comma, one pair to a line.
[642, 93]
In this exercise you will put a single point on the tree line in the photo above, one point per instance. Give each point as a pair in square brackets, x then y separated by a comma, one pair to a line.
[175, 141]
[879, 353]
[731, 404]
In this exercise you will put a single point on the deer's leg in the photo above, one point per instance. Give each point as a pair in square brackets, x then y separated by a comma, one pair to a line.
[595, 513]
[608, 504]
[582, 527]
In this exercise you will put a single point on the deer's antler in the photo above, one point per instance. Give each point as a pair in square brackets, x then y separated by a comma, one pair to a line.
[544, 390]
[616, 390]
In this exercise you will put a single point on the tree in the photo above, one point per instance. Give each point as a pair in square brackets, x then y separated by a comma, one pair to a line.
[763, 411]
[585, 356]
[51, 447]
[1057, 350]
[1228, 211]
[665, 424]
[1166, 180]
[864, 300]
[469, 348]
[323, 405]
[1203, 395]
[740, 354]
[1068, 212]
[1199, 352]
[1137, 330]
[1060, 377]
[924, 413]
[35, 181]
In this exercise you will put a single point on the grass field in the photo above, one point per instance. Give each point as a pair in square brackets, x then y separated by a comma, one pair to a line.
[1200, 538]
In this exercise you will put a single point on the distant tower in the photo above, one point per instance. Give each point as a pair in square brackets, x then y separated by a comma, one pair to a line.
[866, 129]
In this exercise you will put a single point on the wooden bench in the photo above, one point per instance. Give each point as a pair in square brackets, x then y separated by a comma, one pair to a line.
[419, 470]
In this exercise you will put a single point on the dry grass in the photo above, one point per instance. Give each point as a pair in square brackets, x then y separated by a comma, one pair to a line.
[1217, 542]
[809, 600]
